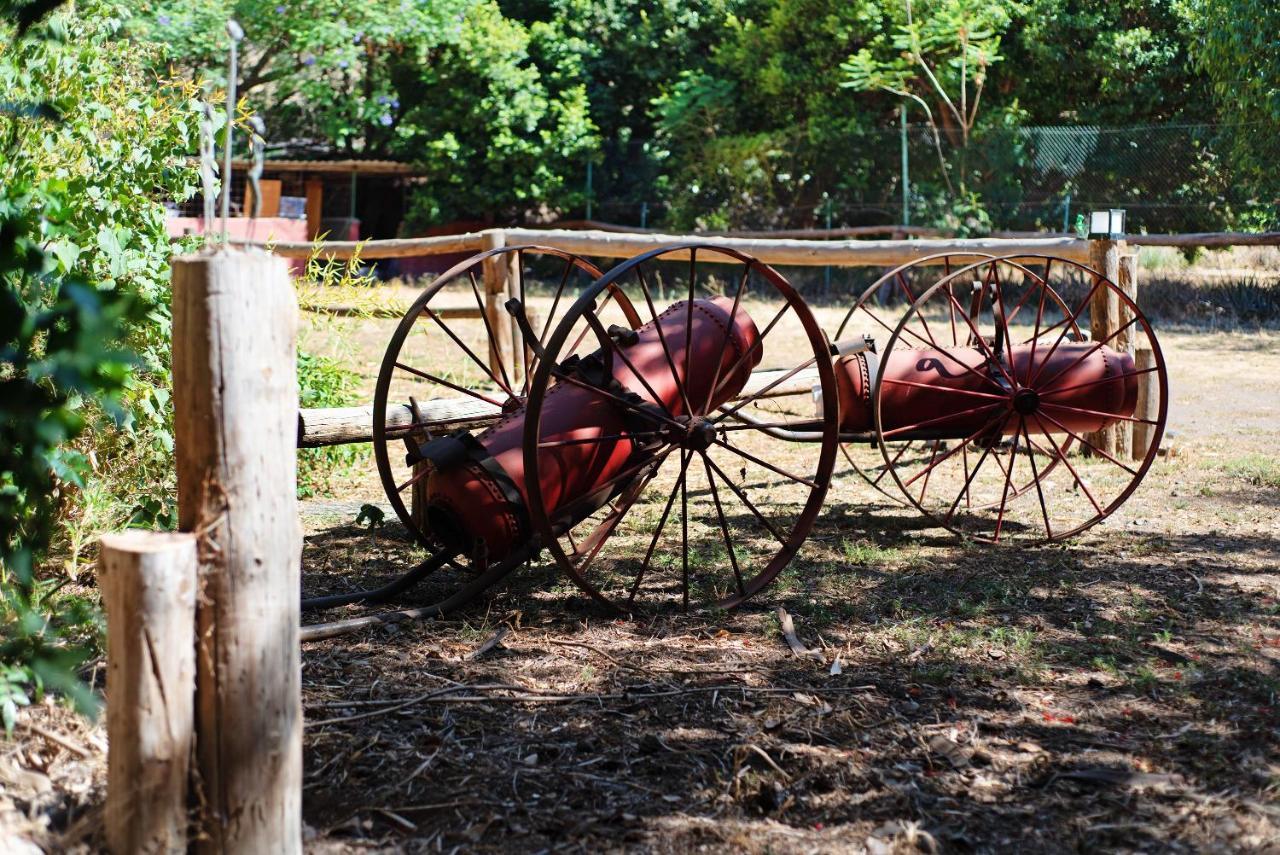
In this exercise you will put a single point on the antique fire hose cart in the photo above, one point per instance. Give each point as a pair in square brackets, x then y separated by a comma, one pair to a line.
[668, 432]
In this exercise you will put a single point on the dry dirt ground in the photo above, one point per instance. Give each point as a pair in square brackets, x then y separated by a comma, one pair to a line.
[1116, 693]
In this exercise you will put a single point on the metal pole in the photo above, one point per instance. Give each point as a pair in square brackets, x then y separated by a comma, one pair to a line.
[588, 189]
[233, 30]
[826, 271]
[352, 214]
[644, 214]
[1066, 213]
[906, 176]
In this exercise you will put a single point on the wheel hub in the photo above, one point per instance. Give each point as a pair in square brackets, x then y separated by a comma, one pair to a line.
[701, 434]
[1026, 401]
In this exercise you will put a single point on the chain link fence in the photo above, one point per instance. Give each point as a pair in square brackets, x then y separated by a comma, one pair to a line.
[1169, 178]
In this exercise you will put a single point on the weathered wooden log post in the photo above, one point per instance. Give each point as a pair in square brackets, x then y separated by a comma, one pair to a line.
[148, 584]
[1127, 339]
[235, 398]
[496, 274]
[1148, 401]
[1104, 318]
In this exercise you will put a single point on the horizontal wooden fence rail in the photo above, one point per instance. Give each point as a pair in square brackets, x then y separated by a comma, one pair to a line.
[371, 250]
[1206, 240]
[608, 244]
[806, 253]
[342, 425]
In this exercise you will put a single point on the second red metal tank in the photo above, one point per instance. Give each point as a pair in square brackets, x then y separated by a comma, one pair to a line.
[954, 392]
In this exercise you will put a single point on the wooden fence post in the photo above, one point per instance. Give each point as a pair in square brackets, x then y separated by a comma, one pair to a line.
[235, 396]
[1148, 402]
[496, 275]
[148, 584]
[1104, 319]
[1126, 341]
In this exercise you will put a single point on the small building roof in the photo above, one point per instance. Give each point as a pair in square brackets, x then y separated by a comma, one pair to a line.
[341, 167]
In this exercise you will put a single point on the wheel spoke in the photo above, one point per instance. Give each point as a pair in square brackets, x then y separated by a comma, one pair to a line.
[947, 389]
[756, 460]
[1092, 350]
[546, 325]
[569, 378]
[629, 472]
[760, 393]
[884, 470]
[684, 535]
[971, 476]
[755, 345]
[724, 341]
[1061, 455]
[1100, 380]
[986, 427]
[595, 439]
[454, 386]
[613, 345]
[488, 372]
[911, 299]
[601, 534]
[982, 345]
[495, 347]
[688, 330]
[950, 416]
[724, 526]
[657, 533]
[662, 339]
[742, 497]
[1035, 336]
[1035, 477]
[1008, 482]
[1099, 414]
[1068, 321]
[924, 486]
[1086, 442]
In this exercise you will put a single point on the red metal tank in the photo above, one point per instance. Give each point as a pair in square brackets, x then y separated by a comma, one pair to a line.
[926, 385]
[467, 503]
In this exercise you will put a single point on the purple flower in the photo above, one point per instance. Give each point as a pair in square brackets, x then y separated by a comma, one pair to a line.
[395, 103]
[384, 100]
[280, 10]
[308, 60]
[355, 40]
[384, 120]
[163, 20]
[342, 63]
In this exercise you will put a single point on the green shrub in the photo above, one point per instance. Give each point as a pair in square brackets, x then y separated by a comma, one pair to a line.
[90, 145]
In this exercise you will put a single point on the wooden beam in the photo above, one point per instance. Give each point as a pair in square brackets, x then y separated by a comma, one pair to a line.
[148, 584]
[314, 207]
[234, 387]
[371, 250]
[1104, 319]
[848, 253]
[1148, 402]
[342, 425]
[1208, 240]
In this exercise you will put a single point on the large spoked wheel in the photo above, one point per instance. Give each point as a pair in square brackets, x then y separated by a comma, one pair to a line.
[876, 315]
[446, 369]
[1017, 399]
[720, 472]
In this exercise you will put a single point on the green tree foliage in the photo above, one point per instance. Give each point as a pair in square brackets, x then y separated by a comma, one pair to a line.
[1094, 62]
[1238, 49]
[311, 68]
[492, 109]
[89, 144]
[497, 117]
[760, 129]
